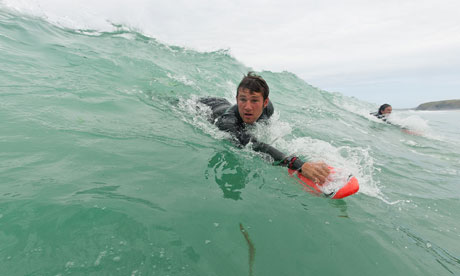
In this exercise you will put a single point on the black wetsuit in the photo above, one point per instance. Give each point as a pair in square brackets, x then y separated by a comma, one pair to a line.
[379, 116]
[227, 118]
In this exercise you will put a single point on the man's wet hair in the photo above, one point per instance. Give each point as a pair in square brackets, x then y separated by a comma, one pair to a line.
[254, 83]
[382, 108]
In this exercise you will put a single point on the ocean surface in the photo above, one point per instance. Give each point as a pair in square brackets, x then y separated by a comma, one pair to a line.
[109, 167]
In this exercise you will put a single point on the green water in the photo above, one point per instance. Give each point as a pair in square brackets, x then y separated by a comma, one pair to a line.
[108, 168]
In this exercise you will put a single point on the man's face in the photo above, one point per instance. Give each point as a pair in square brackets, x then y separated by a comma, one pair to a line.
[387, 111]
[250, 105]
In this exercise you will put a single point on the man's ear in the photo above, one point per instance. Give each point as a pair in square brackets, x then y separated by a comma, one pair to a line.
[266, 102]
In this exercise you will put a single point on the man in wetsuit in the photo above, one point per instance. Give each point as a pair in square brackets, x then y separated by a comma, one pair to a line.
[253, 105]
[383, 112]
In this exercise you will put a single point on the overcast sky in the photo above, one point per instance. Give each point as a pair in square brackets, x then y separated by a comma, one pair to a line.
[403, 52]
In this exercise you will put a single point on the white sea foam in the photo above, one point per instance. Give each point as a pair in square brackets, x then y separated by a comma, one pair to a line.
[412, 122]
[347, 160]
[197, 114]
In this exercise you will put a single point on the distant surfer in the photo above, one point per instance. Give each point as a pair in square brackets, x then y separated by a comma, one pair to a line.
[253, 105]
[383, 112]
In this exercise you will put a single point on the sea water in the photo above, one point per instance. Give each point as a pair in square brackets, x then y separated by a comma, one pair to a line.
[108, 166]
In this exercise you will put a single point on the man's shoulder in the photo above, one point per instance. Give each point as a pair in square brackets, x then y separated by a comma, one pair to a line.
[229, 120]
[269, 110]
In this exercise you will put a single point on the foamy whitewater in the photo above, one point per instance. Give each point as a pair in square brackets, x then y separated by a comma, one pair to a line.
[109, 167]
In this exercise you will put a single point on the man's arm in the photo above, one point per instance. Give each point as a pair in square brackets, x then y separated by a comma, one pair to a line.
[317, 172]
[230, 123]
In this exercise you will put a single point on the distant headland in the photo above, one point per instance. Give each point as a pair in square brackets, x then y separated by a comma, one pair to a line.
[440, 105]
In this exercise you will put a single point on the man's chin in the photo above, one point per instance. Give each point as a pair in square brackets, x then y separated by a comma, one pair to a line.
[248, 121]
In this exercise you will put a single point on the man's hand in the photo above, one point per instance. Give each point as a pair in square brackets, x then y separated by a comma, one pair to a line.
[316, 172]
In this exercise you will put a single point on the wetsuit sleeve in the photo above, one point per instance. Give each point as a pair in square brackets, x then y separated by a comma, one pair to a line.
[242, 137]
[292, 162]
[380, 116]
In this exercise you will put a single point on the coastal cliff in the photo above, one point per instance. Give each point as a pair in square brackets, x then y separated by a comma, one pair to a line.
[440, 105]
